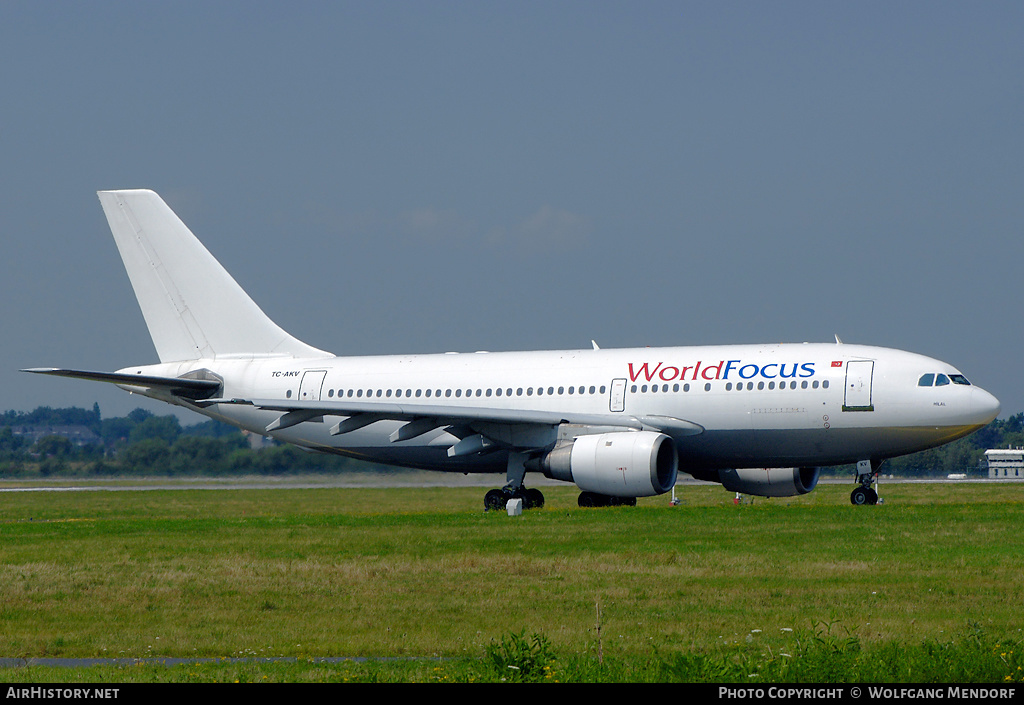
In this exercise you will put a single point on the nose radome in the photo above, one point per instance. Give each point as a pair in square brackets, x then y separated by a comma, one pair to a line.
[986, 406]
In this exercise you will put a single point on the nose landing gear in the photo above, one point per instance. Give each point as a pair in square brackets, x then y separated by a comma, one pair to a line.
[867, 473]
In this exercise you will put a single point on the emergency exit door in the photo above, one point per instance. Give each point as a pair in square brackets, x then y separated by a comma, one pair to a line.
[312, 382]
[617, 401]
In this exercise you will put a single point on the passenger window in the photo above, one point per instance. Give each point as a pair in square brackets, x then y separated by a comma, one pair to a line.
[926, 380]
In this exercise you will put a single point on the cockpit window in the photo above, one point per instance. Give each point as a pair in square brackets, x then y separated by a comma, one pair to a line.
[941, 380]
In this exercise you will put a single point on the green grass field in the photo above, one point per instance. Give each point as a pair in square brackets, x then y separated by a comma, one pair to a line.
[927, 586]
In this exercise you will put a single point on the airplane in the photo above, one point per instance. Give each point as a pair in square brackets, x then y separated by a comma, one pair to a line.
[619, 423]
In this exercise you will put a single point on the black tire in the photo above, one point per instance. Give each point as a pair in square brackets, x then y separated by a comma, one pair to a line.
[494, 499]
[860, 496]
[533, 499]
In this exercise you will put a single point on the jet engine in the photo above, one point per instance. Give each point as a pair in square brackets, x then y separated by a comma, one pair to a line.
[769, 482]
[618, 464]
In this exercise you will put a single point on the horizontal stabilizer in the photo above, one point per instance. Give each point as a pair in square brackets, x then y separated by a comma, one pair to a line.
[178, 386]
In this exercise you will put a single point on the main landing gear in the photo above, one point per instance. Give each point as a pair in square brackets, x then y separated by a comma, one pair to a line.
[497, 499]
[515, 474]
[867, 473]
[593, 499]
[534, 498]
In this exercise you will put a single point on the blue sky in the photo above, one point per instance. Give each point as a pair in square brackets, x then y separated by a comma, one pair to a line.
[432, 176]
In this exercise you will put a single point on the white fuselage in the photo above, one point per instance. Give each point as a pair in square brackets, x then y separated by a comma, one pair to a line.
[751, 405]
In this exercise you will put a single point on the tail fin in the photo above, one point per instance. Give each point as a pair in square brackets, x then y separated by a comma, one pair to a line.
[194, 309]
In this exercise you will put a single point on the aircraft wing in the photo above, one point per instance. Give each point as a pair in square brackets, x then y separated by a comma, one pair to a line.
[467, 422]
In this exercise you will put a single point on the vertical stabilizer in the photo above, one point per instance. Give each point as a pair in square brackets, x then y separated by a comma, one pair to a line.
[194, 309]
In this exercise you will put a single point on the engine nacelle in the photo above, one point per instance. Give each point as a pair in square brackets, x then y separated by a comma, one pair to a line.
[618, 464]
[769, 482]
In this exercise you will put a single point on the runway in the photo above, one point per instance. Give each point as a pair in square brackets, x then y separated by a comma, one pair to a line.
[404, 479]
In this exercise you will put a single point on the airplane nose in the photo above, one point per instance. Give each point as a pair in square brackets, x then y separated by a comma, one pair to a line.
[986, 406]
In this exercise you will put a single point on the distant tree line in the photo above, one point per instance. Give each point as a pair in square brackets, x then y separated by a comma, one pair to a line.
[143, 444]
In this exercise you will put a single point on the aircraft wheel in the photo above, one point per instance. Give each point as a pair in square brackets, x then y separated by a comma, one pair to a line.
[533, 499]
[591, 499]
[863, 495]
[494, 499]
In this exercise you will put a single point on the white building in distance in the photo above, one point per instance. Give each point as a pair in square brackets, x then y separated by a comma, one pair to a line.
[1005, 463]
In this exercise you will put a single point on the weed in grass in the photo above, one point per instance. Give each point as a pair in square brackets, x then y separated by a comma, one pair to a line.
[521, 659]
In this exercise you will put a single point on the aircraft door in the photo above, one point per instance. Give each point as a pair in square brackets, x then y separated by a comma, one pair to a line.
[858, 385]
[617, 400]
[312, 382]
